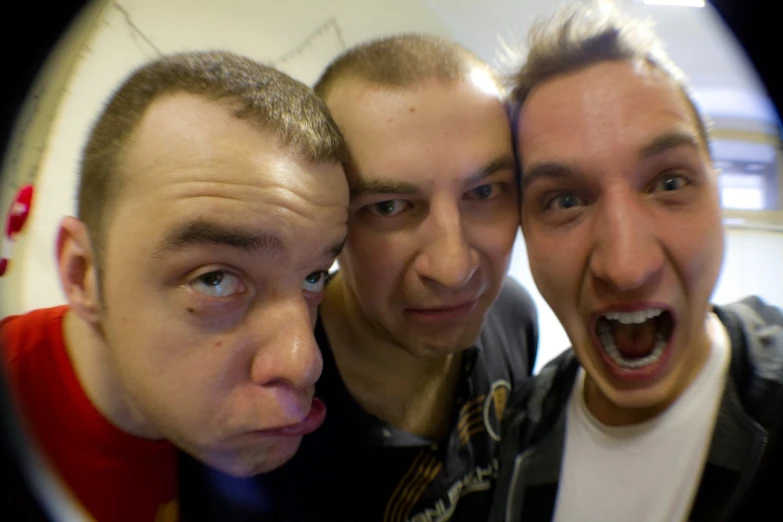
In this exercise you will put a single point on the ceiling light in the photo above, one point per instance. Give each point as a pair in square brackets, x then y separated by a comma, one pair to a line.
[685, 3]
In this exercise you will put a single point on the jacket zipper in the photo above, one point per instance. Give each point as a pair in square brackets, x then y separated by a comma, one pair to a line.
[512, 493]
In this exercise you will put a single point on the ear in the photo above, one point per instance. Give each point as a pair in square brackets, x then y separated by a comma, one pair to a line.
[78, 271]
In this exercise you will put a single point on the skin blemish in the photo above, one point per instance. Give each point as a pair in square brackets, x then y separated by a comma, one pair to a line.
[412, 109]
[191, 310]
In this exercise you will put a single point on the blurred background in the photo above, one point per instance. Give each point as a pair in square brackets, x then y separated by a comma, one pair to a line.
[98, 42]
[109, 38]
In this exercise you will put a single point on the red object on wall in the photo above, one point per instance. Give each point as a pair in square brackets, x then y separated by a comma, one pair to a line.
[20, 210]
[17, 216]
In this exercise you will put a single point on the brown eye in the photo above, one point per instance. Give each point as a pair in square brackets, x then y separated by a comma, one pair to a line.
[564, 202]
[670, 183]
[388, 208]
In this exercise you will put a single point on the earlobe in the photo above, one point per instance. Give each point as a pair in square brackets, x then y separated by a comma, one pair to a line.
[77, 268]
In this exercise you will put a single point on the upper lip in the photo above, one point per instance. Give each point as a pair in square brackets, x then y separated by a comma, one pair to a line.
[303, 402]
[628, 308]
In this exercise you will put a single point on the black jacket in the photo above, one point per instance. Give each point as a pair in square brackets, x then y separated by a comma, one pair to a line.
[741, 479]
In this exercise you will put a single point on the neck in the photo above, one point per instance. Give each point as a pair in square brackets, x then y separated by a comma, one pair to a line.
[414, 394]
[90, 356]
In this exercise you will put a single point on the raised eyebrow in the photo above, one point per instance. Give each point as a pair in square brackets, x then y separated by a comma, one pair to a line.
[204, 233]
[667, 142]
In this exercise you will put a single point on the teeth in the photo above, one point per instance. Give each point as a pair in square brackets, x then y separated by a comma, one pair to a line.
[608, 342]
[634, 317]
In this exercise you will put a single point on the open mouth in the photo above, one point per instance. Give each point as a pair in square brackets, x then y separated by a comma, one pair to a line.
[635, 340]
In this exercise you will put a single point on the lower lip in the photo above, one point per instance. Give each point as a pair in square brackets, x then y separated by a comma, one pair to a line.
[435, 315]
[310, 423]
[638, 376]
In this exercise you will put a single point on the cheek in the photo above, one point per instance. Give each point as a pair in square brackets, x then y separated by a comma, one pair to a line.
[172, 351]
[179, 380]
[495, 239]
[698, 253]
[558, 274]
[551, 265]
[373, 257]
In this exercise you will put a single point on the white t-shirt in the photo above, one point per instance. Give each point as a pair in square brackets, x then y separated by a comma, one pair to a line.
[646, 472]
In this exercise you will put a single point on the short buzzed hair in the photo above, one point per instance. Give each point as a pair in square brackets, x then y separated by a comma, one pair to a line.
[404, 60]
[588, 33]
[249, 90]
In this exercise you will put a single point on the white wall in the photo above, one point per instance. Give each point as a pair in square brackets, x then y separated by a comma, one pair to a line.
[301, 37]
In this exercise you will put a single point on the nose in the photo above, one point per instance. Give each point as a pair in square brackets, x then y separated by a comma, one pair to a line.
[286, 353]
[446, 257]
[626, 254]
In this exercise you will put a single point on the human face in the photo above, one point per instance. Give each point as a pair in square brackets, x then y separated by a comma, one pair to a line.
[217, 250]
[433, 210]
[621, 215]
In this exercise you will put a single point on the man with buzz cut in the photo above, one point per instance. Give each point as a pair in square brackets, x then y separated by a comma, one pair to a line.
[211, 204]
[423, 335]
[667, 408]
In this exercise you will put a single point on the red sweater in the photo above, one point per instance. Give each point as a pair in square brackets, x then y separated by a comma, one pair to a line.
[116, 477]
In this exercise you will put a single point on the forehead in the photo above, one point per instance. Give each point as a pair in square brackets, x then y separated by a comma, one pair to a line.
[185, 138]
[415, 132]
[610, 109]
[191, 159]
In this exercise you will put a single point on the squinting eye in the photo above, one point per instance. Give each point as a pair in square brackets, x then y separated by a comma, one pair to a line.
[564, 202]
[315, 282]
[484, 192]
[388, 208]
[670, 183]
[217, 284]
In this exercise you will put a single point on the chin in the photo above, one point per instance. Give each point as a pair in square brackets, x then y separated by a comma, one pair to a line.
[278, 456]
[653, 396]
[255, 460]
[445, 344]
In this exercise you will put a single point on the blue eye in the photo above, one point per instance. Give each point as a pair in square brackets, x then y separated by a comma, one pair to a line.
[483, 192]
[564, 202]
[315, 282]
[218, 283]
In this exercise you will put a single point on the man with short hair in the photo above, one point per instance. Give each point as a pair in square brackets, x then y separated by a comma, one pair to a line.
[667, 408]
[212, 202]
[422, 334]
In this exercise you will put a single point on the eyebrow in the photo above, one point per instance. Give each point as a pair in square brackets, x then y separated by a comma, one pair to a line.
[546, 170]
[335, 249]
[203, 233]
[382, 186]
[390, 186]
[658, 145]
[496, 165]
[667, 142]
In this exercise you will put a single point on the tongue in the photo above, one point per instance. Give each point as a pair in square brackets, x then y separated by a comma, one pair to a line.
[634, 340]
